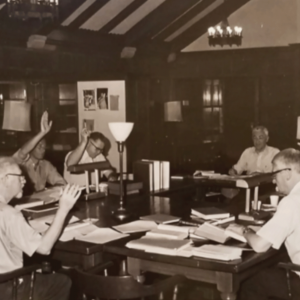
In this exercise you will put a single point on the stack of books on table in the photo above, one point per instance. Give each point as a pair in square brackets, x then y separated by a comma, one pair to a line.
[213, 215]
[219, 252]
[130, 187]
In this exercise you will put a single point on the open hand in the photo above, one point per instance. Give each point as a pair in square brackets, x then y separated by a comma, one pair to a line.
[85, 133]
[69, 197]
[45, 124]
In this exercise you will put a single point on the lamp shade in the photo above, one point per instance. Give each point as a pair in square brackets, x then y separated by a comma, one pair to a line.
[120, 130]
[173, 112]
[298, 129]
[16, 115]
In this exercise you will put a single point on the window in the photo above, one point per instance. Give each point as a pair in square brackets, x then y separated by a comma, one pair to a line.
[212, 109]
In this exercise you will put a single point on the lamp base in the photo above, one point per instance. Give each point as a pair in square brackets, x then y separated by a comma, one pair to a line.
[121, 214]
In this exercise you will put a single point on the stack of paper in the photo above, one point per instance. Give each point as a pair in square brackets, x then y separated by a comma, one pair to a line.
[136, 226]
[219, 252]
[160, 246]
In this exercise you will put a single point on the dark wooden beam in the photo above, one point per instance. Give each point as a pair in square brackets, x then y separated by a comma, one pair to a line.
[122, 16]
[88, 13]
[183, 20]
[158, 20]
[200, 28]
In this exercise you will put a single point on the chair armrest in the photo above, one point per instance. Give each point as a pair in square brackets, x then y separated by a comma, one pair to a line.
[289, 266]
[101, 267]
[18, 273]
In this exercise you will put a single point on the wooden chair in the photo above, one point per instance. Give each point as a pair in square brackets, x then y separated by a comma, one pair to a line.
[120, 287]
[288, 266]
[16, 274]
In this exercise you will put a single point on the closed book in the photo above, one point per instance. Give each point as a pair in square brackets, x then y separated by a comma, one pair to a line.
[161, 218]
[156, 173]
[128, 185]
[255, 216]
[167, 234]
[208, 213]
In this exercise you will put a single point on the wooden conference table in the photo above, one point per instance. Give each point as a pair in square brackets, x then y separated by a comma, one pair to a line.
[227, 276]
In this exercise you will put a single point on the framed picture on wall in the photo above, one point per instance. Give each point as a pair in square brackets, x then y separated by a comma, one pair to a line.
[89, 100]
[102, 98]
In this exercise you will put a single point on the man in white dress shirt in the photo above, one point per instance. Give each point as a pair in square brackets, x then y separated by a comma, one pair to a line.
[89, 150]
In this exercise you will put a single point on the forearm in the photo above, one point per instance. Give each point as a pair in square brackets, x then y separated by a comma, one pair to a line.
[29, 146]
[257, 243]
[52, 234]
[76, 154]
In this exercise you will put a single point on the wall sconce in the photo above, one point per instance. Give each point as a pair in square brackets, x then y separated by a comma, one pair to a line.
[298, 131]
[223, 34]
[173, 111]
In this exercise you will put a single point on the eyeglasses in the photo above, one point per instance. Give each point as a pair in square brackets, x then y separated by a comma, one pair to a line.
[97, 148]
[278, 171]
[14, 174]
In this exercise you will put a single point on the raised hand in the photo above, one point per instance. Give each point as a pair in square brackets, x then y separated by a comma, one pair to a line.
[85, 133]
[69, 197]
[45, 124]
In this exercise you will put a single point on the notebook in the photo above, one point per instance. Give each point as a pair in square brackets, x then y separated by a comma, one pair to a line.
[208, 213]
[161, 218]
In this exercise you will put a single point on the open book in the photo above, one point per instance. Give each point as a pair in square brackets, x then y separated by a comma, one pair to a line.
[161, 218]
[235, 231]
[212, 232]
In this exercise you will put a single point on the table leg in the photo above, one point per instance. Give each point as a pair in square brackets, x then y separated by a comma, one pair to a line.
[227, 285]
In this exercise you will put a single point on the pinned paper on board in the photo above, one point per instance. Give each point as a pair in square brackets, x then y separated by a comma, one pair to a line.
[173, 111]
[102, 98]
[114, 102]
[89, 100]
[88, 124]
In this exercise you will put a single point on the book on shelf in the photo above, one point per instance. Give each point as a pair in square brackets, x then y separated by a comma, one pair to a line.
[212, 232]
[208, 213]
[143, 172]
[161, 218]
[218, 252]
[235, 231]
[158, 245]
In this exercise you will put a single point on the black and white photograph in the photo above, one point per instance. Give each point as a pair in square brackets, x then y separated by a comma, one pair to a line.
[89, 100]
[102, 98]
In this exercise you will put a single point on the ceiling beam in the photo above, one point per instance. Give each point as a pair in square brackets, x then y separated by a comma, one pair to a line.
[200, 28]
[183, 19]
[158, 20]
[122, 16]
[88, 13]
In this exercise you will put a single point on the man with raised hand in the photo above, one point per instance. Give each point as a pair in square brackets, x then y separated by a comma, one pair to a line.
[30, 156]
[17, 237]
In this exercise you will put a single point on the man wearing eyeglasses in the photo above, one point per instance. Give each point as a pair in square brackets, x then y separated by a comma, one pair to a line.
[30, 156]
[284, 227]
[17, 237]
[91, 149]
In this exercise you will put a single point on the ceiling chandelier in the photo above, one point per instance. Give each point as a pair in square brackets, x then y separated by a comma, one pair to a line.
[223, 34]
[36, 9]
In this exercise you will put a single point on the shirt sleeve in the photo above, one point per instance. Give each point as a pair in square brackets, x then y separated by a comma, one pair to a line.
[19, 157]
[276, 230]
[21, 234]
[53, 177]
[240, 166]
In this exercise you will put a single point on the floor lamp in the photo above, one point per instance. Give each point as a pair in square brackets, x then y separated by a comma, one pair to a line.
[121, 131]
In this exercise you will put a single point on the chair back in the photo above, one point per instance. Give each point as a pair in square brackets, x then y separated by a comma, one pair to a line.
[121, 287]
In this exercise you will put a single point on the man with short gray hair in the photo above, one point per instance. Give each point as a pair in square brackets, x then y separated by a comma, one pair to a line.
[256, 159]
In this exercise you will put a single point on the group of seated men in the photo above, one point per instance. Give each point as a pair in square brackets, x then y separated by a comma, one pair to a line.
[16, 236]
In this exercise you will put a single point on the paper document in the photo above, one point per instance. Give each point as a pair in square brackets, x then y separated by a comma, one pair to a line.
[101, 236]
[69, 235]
[136, 226]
